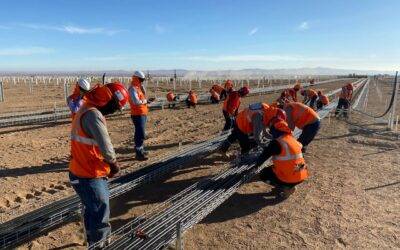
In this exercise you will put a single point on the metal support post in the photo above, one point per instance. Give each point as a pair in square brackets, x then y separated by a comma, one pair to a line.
[1, 92]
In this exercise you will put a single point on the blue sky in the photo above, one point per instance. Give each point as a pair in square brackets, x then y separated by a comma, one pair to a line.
[208, 35]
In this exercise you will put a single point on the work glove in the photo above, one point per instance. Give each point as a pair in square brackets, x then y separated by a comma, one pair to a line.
[114, 169]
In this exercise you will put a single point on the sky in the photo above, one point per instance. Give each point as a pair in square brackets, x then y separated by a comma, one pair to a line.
[199, 35]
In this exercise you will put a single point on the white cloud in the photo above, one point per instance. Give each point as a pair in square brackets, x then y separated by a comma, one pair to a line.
[28, 51]
[159, 29]
[253, 31]
[71, 29]
[304, 26]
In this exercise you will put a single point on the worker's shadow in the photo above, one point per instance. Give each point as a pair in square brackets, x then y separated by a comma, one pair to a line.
[240, 205]
[53, 166]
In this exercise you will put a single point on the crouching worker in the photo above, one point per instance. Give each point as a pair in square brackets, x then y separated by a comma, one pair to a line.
[249, 126]
[93, 158]
[304, 118]
[322, 101]
[310, 97]
[171, 98]
[289, 168]
[191, 100]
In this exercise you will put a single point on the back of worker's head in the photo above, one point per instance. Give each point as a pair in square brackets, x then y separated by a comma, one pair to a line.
[108, 98]
[297, 86]
[244, 91]
[84, 85]
[319, 92]
[349, 86]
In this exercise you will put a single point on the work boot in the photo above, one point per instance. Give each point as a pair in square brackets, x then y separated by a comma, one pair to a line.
[283, 192]
[140, 156]
[223, 149]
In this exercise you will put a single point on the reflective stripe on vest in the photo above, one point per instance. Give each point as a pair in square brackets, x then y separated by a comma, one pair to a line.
[288, 156]
[83, 140]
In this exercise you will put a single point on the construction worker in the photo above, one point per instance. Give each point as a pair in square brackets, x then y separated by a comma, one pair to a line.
[345, 99]
[139, 111]
[75, 100]
[322, 101]
[228, 86]
[292, 93]
[93, 158]
[171, 98]
[305, 118]
[191, 100]
[220, 90]
[215, 97]
[249, 126]
[231, 106]
[289, 168]
[310, 97]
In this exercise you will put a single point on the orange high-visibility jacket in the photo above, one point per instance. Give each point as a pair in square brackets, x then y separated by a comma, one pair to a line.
[217, 88]
[346, 93]
[86, 159]
[232, 103]
[310, 93]
[138, 109]
[228, 85]
[300, 115]
[324, 99]
[193, 98]
[245, 117]
[170, 96]
[289, 165]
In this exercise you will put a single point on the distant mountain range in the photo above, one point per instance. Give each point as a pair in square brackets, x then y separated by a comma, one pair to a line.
[211, 73]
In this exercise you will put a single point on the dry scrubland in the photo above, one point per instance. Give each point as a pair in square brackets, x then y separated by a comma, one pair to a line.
[351, 200]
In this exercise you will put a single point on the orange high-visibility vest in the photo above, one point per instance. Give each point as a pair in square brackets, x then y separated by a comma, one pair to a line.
[193, 98]
[301, 114]
[140, 109]
[289, 165]
[228, 85]
[170, 96]
[245, 117]
[346, 93]
[86, 159]
[231, 103]
[324, 99]
[311, 93]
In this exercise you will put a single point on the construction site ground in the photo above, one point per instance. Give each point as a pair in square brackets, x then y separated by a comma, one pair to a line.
[350, 200]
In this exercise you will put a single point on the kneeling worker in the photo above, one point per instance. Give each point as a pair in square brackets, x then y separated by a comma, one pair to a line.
[305, 118]
[171, 98]
[191, 100]
[289, 168]
[322, 101]
[93, 158]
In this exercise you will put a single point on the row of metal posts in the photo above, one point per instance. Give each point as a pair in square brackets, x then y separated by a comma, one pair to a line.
[393, 118]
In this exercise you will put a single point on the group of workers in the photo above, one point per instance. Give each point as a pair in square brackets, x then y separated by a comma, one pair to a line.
[93, 158]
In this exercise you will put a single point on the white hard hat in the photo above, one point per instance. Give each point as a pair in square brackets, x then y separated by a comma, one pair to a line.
[84, 84]
[139, 74]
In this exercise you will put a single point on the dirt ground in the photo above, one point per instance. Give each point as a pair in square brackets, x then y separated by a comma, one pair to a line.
[339, 206]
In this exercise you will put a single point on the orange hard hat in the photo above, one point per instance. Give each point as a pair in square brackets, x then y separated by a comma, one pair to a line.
[297, 86]
[282, 125]
[119, 91]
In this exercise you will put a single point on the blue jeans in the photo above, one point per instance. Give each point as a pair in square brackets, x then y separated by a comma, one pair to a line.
[95, 197]
[139, 121]
[309, 132]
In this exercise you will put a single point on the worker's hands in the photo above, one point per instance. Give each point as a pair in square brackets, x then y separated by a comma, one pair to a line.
[114, 169]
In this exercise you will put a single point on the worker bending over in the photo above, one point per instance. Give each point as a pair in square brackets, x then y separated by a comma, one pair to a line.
[228, 86]
[93, 158]
[310, 97]
[304, 118]
[171, 98]
[289, 168]
[215, 97]
[139, 111]
[345, 99]
[322, 101]
[231, 106]
[292, 92]
[249, 126]
[75, 100]
[220, 91]
[191, 100]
